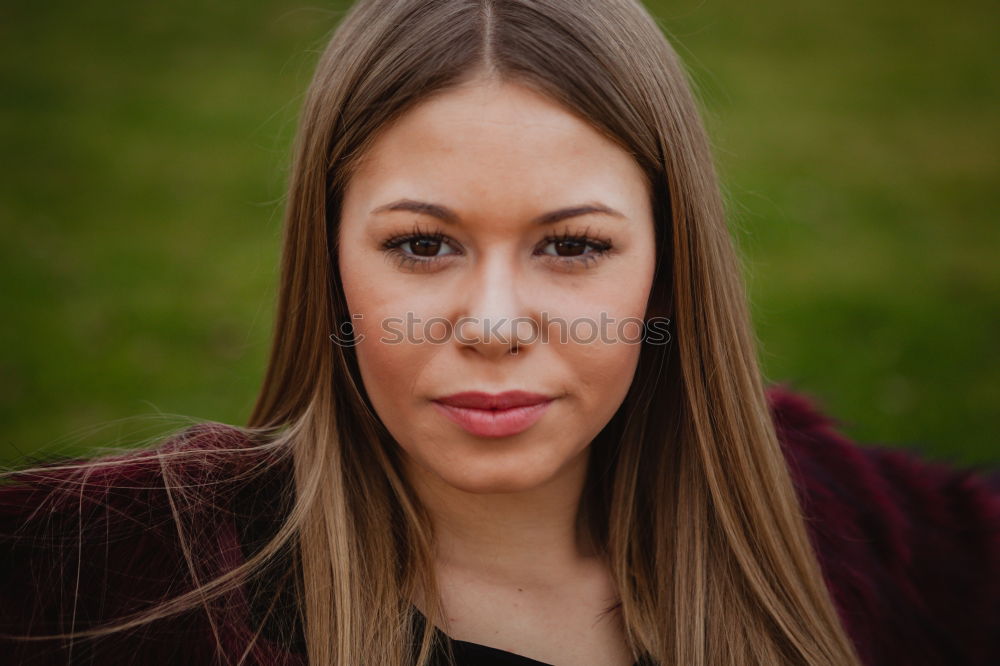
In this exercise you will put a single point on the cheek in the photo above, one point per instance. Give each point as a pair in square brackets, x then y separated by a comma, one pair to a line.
[601, 376]
[388, 364]
[382, 365]
[601, 354]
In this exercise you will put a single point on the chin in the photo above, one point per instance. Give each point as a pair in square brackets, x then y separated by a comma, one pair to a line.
[490, 467]
[494, 484]
[489, 475]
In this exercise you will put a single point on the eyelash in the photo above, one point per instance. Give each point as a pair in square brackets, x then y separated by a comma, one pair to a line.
[392, 245]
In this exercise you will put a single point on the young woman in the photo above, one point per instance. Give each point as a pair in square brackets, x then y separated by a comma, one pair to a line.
[476, 439]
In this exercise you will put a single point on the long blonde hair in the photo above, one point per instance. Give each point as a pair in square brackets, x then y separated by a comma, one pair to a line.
[689, 496]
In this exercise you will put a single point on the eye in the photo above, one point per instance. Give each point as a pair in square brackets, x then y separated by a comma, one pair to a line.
[418, 249]
[422, 249]
[571, 249]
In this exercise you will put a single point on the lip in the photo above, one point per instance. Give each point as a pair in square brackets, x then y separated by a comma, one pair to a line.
[494, 414]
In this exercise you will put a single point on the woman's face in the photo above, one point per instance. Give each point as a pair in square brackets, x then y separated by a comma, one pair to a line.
[456, 261]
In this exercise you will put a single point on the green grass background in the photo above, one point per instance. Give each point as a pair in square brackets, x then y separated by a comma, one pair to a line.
[145, 153]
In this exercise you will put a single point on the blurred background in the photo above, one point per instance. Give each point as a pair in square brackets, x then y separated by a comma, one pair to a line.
[145, 155]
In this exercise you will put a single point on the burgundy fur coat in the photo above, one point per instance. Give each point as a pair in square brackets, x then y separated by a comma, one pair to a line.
[909, 548]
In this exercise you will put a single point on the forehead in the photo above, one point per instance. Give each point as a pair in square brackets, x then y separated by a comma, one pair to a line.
[488, 141]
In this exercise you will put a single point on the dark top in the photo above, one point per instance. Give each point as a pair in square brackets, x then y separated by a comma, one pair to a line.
[474, 654]
[909, 548]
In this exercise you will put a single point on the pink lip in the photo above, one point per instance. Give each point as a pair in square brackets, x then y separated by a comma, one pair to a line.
[494, 415]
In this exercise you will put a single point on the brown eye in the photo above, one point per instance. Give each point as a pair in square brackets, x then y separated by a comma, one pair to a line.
[425, 247]
[574, 250]
[574, 247]
[419, 250]
[570, 248]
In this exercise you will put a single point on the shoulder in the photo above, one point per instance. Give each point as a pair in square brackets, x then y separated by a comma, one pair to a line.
[88, 541]
[910, 547]
[121, 491]
[124, 467]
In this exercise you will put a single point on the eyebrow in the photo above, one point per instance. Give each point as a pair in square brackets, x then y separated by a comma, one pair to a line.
[449, 216]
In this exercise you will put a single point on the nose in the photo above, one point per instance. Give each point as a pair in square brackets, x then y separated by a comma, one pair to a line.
[494, 319]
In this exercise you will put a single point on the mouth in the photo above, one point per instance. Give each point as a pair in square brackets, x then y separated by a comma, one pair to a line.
[494, 414]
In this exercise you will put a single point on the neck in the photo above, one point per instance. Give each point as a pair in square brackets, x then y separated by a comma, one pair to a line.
[523, 536]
